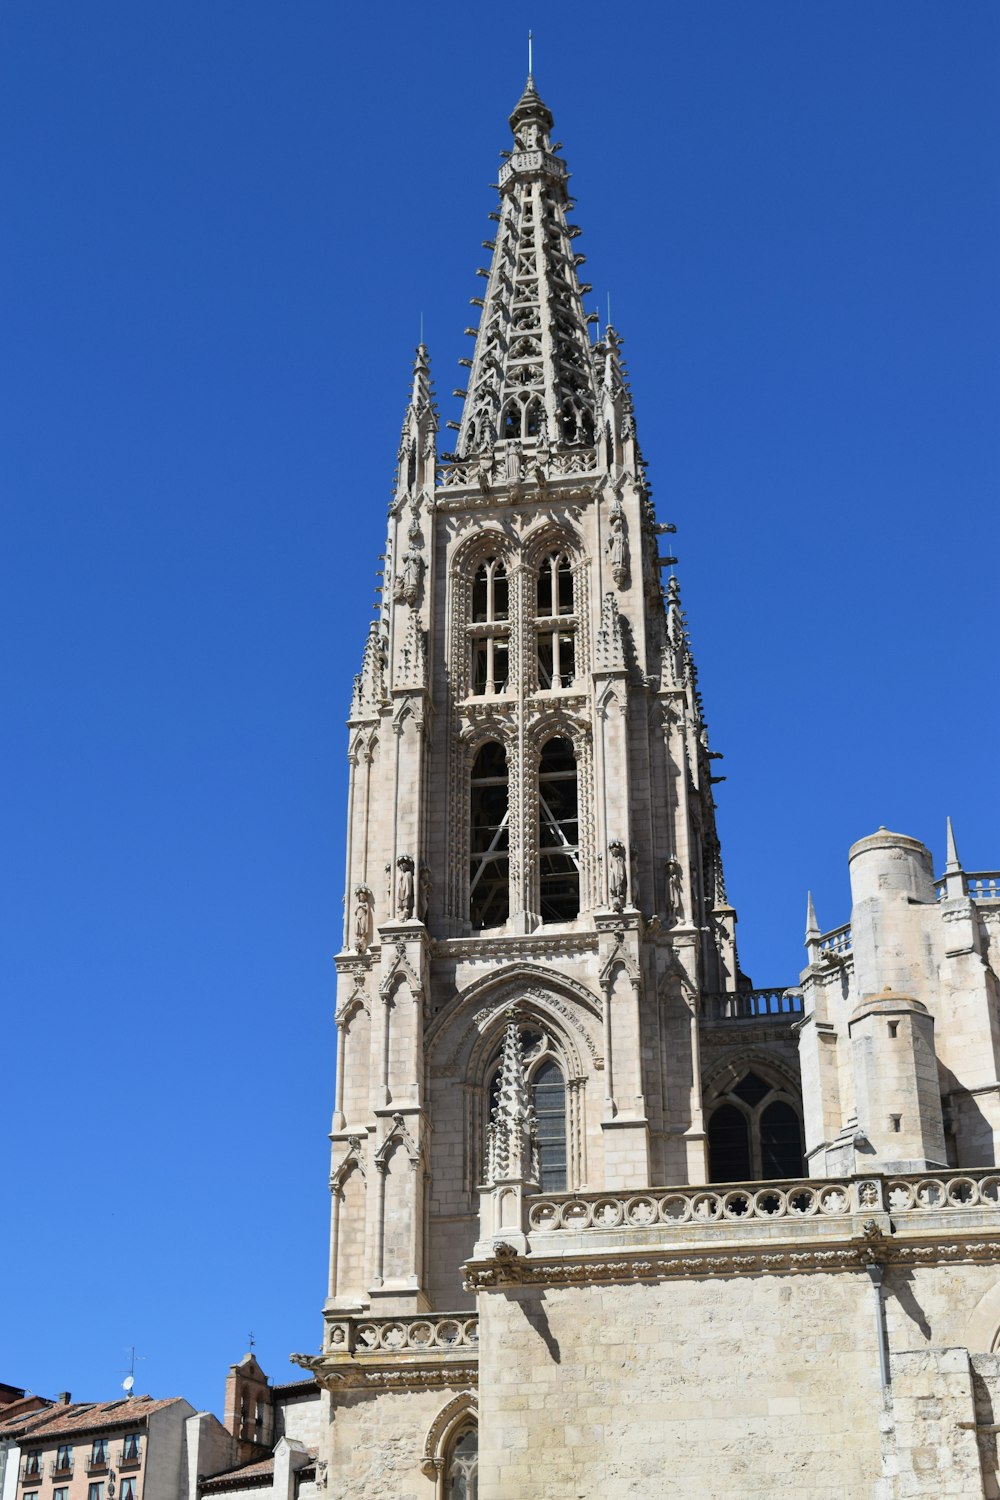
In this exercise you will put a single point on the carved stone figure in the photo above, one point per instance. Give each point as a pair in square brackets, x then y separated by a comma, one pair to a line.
[404, 888]
[618, 546]
[388, 890]
[675, 890]
[424, 894]
[617, 874]
[409, 578]
[362, 917]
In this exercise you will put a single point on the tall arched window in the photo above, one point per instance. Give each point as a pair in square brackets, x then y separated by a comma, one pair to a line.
[548, 1097]
[489, 629]
[461, 1480]
[489, 889]
[556, 623]
[558, 833]
[754, 1132]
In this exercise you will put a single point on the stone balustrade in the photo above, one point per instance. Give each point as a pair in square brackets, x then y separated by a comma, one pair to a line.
[432, 1333]
[836, 943]
[751, 1005]
[818, 1198]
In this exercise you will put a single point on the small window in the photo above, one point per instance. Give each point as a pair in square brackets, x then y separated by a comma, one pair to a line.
[896, 1122]
[60, 1492]
[131, 1445]
[96, 1491]
[893, 1028]
[127, 1490]
[99, 1451]
[64, 1457]
[33, 1463]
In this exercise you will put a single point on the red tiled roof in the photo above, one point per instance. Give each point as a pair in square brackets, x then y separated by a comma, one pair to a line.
[247, 1476]
[81, 1417]
[22, 1416]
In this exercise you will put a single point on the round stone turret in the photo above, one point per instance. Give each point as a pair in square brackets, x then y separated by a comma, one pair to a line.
[891, 864]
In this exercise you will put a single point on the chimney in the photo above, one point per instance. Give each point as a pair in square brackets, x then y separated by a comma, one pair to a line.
[63, 1398]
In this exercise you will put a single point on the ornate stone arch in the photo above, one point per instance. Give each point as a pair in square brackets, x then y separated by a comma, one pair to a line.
[462, 1046]
[461, 1411]
[720, 1087]
[352, 1160]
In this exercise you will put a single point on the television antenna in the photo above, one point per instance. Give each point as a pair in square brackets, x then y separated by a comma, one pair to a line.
[128, 1383]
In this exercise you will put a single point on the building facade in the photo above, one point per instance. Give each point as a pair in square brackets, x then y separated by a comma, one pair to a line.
[541, 1018]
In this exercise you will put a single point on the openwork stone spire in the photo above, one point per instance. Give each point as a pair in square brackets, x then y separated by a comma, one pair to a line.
[532, 374]
[512, 1149]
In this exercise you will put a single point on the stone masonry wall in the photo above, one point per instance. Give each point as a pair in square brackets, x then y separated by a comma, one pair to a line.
[696, 1389]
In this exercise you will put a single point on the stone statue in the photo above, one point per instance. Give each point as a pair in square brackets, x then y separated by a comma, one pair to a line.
[409, 579]
[404, 889]
[362, 917]
[424, 893]
[618, 546]
[388, 890]
[675, 890]
[617, 874]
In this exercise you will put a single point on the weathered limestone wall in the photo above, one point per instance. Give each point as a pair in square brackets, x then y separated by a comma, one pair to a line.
[377, 1440]
[697, 1389]
[939, 1441]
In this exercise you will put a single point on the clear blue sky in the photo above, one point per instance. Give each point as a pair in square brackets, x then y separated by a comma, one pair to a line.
[222, 223]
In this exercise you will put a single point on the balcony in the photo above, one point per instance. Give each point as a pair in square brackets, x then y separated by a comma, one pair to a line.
[32, 1472]
[411, 1350]
[61, 1468]
[725, 1007]
[130, 1458]
[97, 1465]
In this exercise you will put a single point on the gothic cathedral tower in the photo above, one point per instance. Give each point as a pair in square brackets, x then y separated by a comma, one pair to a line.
[531, 828]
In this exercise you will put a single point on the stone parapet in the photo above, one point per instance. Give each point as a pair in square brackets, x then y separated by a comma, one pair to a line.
[438, 1349]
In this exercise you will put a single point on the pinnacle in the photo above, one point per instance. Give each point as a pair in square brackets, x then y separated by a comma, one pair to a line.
[530, 106]
[812, 926]
[952, 860]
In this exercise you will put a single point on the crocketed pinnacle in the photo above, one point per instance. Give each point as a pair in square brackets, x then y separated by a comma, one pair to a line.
[532, 377]
[511, 1142]
[417, 442]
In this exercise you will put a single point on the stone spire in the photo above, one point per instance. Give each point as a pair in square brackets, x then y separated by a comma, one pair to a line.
[531, 376]
[813, 933]
[954, 875]
[512, 1147]
[415, 460]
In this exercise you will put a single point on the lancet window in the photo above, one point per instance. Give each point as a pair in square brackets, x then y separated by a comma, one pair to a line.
[754, 1132]
[558, 832]
[489, 858]
[547, 1085]
[461, 1481]
[489, 630]
[555, 623]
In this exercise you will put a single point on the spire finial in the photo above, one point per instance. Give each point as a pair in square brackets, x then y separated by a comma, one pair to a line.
[530, 65]
[812, 926]
[813, 934]
[954, 875]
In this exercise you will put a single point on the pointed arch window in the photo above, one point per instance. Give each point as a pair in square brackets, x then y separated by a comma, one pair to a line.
[461, 1480]
[754, 1132]
[555, 623]
[489, 858]
[547, 1083]
[489, 629]
[558, 833]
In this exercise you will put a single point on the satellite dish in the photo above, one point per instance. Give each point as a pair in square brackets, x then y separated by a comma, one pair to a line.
[128, 1383]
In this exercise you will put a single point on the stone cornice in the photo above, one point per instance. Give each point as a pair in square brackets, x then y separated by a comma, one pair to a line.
[337, 1372]
[507, 1268]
